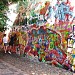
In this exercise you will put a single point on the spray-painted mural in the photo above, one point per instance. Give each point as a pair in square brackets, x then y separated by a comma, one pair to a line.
[48, 39]
[50, 33]
[46, 44]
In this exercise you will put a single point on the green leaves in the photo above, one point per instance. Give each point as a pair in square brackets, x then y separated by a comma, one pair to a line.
[3, 19]
[15, 0]
[4, 7]
[23, 3]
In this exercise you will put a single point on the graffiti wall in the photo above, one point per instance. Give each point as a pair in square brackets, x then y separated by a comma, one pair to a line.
[59, 14]
[49, 33]
[52, 26]
[46, 45]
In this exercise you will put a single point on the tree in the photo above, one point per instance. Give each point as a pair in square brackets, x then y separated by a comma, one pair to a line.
[3, 8]
[21, 10]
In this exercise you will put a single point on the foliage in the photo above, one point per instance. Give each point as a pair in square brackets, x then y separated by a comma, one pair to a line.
[2, 5]
[22, 3]
[16, 0]
[21, 10]
[3, 17]
[3, 8]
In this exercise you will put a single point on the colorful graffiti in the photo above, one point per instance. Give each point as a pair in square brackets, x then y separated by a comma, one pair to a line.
[48, 32]
[46, 44]
[44, 40]
[61, 14]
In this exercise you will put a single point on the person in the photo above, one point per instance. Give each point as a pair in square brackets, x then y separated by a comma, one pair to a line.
[11, 42]
[5, 43]
[16, 41]
[1, 40]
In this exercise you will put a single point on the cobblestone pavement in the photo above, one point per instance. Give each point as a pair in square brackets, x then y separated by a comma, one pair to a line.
[7, 69]
[15, 65]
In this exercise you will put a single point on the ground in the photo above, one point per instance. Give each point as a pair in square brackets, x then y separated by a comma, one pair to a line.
[16, 65]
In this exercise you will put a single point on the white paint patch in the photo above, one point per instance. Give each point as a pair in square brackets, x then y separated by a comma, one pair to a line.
[12, 16]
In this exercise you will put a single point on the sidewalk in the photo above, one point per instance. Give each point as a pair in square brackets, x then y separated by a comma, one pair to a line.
[15, 65]
[7, 69]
